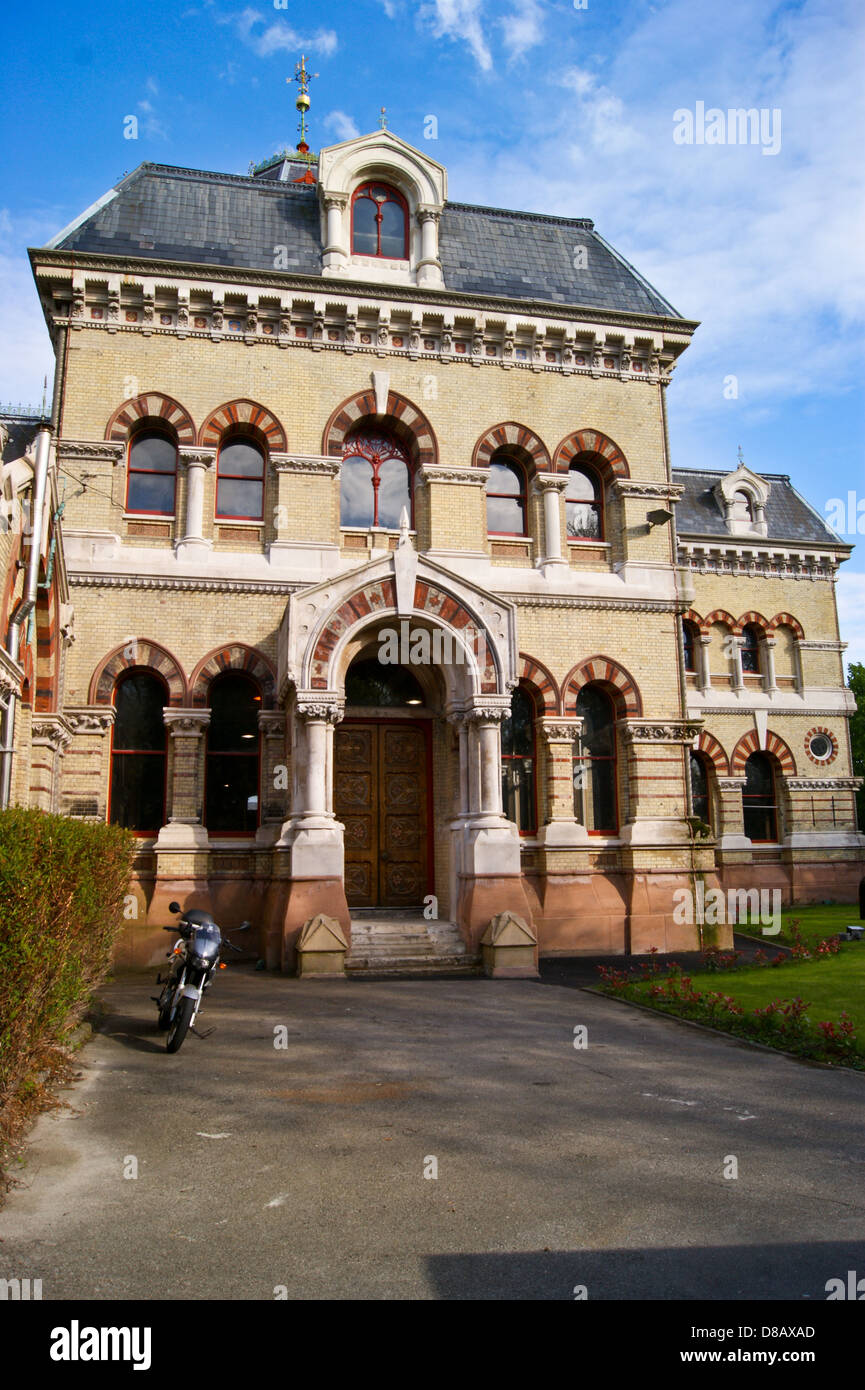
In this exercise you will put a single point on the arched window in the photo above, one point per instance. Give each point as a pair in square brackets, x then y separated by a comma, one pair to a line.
[151, 479]
[375, 482]
[379, 222]
[506, 499]
[595, 799]
[240, 480]
[751, 649]
[759, 802]
[584, 503]
[232, 774]
[689, 644]
[743, 507]
[701, 796]
[138, 753]
[518, 763]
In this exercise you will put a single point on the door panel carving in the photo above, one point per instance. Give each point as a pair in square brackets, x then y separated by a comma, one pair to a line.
[380, 795]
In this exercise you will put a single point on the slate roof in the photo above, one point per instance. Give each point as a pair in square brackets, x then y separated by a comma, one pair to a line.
[788, 516]
[164, 213]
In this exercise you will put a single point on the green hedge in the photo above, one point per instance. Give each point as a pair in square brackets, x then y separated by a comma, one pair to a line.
[62, 885]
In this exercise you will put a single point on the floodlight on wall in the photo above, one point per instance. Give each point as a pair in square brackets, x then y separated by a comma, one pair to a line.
[659, 517]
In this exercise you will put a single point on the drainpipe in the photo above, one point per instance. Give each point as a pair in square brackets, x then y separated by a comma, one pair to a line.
[25, 605]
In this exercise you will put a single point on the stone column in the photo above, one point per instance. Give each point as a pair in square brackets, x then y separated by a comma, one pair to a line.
[193, 543]
[550, 490]
[429, 271]
[184, 829]
[312, 838]
[769, 644]
[335, 255]
[732, 817]
[704, 674]
[562, 828]
[490, 880]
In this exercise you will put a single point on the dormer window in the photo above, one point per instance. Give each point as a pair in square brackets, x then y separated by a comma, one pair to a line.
[379, 222]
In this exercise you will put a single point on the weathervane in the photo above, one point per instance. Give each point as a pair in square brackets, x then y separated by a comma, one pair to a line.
[383, 118]
[303, 78]
[741, 456]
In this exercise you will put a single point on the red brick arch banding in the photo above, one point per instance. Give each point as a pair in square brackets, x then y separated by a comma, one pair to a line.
[243, 416]
[708, 744]
[408, 423]
[544, 687]
[510, 435]
[775, 746]
[608, 457]
[600, 670]
[234, 657]
[787, 620]
[152, 408]
[137, 652]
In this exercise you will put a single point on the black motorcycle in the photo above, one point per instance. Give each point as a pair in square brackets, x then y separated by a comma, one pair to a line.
[194, 962]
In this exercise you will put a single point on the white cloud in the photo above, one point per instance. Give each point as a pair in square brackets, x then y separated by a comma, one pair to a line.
[851, 613]
[277, 36]
[523, 28]
[342, 125]
[389, 7]
[460, 19]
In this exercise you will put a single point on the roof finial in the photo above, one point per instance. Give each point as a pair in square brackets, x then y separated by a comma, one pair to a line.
[303, 78]
[741, 457]
[382, 120]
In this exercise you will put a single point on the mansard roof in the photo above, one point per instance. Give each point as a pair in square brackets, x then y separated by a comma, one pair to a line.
[789, 518]
[163, 213]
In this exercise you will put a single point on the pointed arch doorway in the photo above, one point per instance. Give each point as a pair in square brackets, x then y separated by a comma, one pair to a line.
[382, 786]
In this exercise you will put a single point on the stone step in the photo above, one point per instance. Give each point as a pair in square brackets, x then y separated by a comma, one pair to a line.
[403, 943]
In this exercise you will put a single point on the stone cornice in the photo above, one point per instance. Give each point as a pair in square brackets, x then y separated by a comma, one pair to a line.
[51, 731]
[805, 711]
[599, 604]
[766, 561]
[186, 723]
[469, 477]
[660, 730]
[11, 674]
[306, 463]
[90, 719]
[80, 579]
[633, 487]
[824, 784]
[87, 449]
[163, 269]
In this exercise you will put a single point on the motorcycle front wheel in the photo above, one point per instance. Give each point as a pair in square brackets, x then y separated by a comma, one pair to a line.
[180, 1025]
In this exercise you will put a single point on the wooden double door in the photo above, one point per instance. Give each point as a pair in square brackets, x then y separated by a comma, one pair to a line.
[380, 794]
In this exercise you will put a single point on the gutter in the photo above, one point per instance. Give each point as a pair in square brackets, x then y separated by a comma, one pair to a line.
[24, 607]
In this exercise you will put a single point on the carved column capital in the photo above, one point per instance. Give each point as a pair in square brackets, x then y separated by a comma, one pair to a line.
[186, 723]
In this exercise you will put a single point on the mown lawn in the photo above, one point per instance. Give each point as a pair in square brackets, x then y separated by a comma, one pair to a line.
[816, 921]
[828, 986]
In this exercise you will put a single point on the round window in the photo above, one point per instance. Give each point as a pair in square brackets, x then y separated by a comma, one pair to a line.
[820, 747]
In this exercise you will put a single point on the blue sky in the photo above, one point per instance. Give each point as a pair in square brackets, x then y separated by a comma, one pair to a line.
[539, 105]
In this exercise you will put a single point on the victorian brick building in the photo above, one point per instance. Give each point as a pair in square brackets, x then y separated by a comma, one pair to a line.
[304, 414]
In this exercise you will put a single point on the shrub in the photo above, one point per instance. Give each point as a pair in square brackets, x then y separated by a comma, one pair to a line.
[62, 884]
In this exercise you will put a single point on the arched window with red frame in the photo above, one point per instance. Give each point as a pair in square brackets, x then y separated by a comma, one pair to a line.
[379, 222]
[690, 635]
[506, 498]
[233, 762]
[751, 649]
[518, 763]
[375, 481]
[138, 752]
[584, 503]
[595, 770]
[151, 474]
[240, 479]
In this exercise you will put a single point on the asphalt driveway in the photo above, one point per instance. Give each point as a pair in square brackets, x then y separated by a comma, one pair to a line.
[301, 1169]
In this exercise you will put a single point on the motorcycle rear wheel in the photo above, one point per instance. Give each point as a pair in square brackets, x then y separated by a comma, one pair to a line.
[180, 1025]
